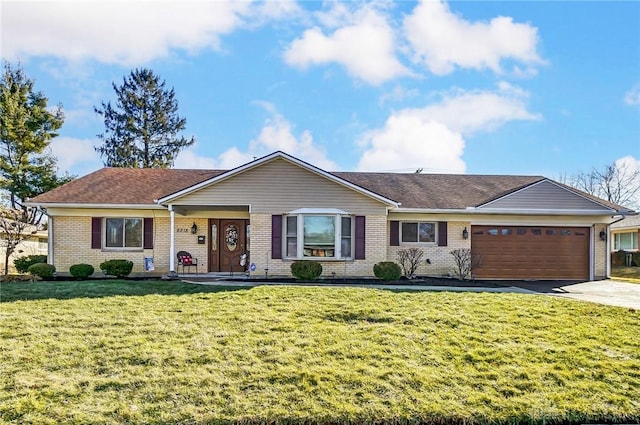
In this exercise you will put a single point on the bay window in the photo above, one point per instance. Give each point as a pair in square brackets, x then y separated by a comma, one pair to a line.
[318, 236]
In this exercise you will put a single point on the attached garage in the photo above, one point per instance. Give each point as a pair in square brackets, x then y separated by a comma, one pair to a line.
[531, 252]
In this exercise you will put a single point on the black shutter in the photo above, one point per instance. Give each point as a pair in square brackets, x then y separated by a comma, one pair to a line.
[148, 234]
[394, 234]
[96, 232]
[360, 240]
[442, 233]
[276, 236]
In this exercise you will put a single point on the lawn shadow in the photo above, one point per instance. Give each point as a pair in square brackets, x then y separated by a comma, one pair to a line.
[543, 286]
[64, 290]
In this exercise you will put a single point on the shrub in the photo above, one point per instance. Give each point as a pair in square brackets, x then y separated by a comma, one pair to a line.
[43, 270]
[306, 269]
[387, 271]
[7, 278]
[409, 259]
[466, 262]
[81, 271]
[23, 263]
[618, 258]
[117, 268]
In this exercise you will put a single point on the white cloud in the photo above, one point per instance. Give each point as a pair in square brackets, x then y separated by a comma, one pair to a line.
[127, 33]
[190, 159]
[398, 94]
[432, 137]
[276, 135]
[628, 163]
[632, 97]
[364, 43]
[443, 40]
[75, 155]
[407, 143]
[471, 111]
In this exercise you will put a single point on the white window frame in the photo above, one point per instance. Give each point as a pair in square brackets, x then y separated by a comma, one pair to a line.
[299, 215]
[122, 248]
[417, 242]
[634, 241]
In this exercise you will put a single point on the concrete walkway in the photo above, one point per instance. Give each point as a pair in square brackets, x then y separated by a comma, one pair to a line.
[609, 292]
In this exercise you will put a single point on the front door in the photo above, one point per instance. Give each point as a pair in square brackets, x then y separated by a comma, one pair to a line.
[227, 243]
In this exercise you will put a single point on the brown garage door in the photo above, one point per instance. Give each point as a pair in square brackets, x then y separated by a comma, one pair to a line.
[507, 252]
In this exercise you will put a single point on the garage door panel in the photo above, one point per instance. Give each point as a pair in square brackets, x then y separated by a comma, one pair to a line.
[531, 252]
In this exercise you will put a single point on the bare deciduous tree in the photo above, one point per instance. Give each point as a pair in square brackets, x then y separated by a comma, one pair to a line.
[409, 259]
[618, 182]
[13, 230]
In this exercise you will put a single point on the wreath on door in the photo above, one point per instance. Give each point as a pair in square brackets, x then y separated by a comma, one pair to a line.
[231, 237]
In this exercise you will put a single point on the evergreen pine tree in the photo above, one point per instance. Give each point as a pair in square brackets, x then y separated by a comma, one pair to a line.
[142, 129]
[27, 126]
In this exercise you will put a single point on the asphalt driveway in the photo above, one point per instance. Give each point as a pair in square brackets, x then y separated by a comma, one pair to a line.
[608, 292]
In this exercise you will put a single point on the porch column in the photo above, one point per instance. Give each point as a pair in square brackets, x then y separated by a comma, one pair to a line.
[172, 242]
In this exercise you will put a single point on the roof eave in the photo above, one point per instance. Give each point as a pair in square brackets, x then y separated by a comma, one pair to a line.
[479, 211]
[94, 205]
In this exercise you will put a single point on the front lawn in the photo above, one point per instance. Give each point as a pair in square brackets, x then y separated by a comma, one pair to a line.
[195, 354]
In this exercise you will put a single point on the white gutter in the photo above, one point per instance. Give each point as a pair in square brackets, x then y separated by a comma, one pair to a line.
[477, 211]
[96, 206]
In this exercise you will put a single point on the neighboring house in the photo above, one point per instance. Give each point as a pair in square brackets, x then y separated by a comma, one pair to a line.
[626, 234]
[36, 243]
[278, 208]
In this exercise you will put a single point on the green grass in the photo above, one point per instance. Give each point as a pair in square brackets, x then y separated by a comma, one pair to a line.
[628, 274]
[168, 352]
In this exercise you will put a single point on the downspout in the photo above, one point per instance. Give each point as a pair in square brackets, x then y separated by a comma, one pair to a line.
[172, 243]
[50, 241]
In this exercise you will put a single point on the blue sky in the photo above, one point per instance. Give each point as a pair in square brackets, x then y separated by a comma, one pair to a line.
[479, 87]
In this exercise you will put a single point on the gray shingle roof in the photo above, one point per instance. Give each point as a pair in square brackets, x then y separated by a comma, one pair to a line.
[439, 191]
[136, 186]
[125, 186]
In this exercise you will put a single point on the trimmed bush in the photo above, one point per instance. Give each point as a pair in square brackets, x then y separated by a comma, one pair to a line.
[117, 268]
[81, 271]
[23, 263]
[43, 270]
[306, 269]
[387, 271]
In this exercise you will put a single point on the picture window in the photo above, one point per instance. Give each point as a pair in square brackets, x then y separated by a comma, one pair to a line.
[124, 233]
[419, 232]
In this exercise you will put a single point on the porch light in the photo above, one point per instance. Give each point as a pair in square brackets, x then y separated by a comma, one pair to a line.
[603, 235]
[194, 228]
[465, 234]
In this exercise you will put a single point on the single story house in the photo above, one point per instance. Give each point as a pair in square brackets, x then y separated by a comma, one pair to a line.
[278, 208]
[626, 234]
